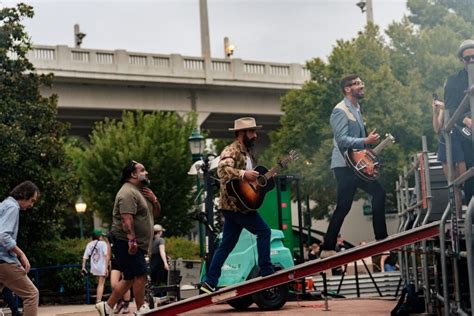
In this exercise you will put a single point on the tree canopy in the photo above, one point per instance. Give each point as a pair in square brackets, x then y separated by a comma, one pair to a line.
[400, 74]
[160, 142]
[31, 137]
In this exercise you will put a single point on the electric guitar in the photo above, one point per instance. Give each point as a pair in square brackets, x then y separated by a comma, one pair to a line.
[365, 162]
[249, 195]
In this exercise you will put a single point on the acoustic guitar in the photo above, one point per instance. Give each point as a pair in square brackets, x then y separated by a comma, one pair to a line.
[365, 162]
[249, 195]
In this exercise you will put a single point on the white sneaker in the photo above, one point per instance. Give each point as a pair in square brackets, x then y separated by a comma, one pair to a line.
[104, 309]
[143, 310]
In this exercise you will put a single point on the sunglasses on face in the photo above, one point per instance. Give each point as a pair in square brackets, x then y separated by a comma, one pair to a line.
[356, 83]
[468, 58]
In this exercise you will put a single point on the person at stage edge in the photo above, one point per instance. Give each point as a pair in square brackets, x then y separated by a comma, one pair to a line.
[349, 132]
[132, 232]
[14, 265]
[454, 92]
[237, 162]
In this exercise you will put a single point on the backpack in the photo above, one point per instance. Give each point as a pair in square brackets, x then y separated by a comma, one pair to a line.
[410, 302]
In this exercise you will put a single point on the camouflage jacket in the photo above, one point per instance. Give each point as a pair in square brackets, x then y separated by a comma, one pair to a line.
[232, 165]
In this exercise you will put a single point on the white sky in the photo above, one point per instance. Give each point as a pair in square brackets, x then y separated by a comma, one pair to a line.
[264, 30]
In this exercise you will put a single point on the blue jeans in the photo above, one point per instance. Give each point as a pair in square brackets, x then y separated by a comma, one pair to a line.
[389, 268]
[233, 225]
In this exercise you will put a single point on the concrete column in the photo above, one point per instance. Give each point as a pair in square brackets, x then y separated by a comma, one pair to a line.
[176, 64]
[370, 12]
[202, 117]
[296, 73]
[121, 60]
[205, 42]
[63, 55]
[237, 68]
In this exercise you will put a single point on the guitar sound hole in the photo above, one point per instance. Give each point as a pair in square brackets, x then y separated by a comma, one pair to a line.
[261, 181]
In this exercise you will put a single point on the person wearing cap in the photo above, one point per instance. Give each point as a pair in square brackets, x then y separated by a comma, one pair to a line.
[97, 251]
[454, 92]
[131, 234]
[158, 261]
[237, 162]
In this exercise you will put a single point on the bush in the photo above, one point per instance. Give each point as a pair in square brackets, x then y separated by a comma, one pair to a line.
[59, 252]
[179, 247]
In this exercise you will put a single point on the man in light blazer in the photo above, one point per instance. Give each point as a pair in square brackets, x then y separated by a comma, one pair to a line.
[349, 133]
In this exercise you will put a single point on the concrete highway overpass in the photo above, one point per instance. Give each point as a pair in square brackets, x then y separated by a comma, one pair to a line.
[94, 84]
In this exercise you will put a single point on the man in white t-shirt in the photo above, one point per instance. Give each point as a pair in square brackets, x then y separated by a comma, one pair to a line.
[97, 251]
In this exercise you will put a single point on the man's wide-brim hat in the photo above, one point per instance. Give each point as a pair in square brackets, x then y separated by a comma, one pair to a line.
[465, 45]
[244, 123]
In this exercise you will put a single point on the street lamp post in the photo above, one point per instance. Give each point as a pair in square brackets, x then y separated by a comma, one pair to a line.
[81, 207]
[366, 6]
[196, 145]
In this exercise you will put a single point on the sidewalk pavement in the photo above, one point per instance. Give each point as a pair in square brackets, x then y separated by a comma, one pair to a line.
[337, 307]
[74, 310]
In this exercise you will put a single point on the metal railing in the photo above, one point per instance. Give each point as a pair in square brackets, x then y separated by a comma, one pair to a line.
[36, 275]
[74, 62]
[446, 250]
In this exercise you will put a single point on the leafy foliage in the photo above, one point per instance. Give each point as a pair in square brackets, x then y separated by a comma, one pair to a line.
[178, 247]
[159, 141]
[31, 137]
[400, 77]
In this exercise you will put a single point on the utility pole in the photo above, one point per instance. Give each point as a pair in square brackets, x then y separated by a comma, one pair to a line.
[366, 6]
[370, 12]
[205, 42]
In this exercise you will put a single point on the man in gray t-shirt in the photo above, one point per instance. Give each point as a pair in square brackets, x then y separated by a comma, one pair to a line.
[132, 231]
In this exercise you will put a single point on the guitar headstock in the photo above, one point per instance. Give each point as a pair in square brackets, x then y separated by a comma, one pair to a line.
[390, 137]
[292, 155]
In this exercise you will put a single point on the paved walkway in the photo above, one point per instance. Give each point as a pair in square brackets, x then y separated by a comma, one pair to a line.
[337, 307]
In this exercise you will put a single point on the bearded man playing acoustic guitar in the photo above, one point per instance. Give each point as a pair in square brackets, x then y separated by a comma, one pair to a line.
[349, 133]
[237, 162]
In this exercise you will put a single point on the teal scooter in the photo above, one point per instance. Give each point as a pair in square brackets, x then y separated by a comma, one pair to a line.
[241, 265]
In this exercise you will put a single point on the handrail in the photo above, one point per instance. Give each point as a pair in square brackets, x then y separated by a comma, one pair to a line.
[444, 268]
[36, 270]
[470, 261]
[463, 177]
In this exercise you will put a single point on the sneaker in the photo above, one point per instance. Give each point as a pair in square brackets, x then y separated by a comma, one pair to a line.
[327, 253]
[119, 307]
[143, 310]
[206, 288]
[125, 309]
[104, 309]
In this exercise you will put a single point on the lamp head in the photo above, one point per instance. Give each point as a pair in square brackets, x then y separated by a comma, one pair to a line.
[361, 4]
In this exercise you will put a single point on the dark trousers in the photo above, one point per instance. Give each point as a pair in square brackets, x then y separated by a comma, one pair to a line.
[233, 225]
[468, 150]
[347, 184]
[159, 275]
[10, 300]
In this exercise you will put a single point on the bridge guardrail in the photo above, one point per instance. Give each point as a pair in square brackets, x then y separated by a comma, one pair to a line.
[68, 61]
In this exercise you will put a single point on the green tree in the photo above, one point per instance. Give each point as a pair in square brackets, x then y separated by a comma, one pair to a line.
[159, 141]
[31, 137]
[305, 125]
[400, 76]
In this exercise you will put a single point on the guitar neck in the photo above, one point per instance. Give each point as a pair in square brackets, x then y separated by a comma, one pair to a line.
[382, 146]
[272, 172]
